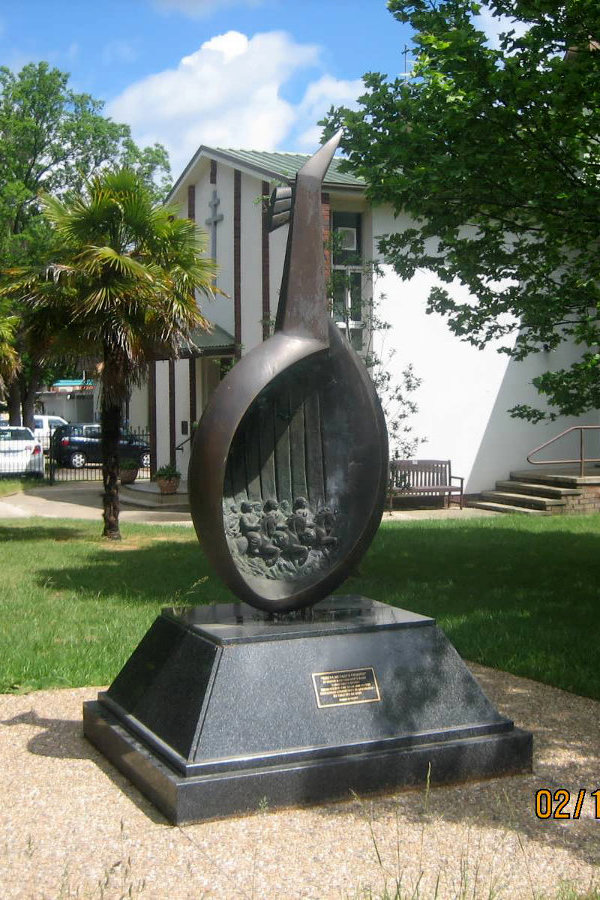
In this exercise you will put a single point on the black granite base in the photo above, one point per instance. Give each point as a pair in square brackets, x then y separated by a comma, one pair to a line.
[225, 709]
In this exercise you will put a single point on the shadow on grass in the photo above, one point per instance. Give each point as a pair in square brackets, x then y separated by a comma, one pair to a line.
[44, 532]
[163, 572]
[518, 596]
[521, 597]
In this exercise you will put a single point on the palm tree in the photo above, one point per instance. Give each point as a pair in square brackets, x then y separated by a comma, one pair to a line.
[9, 361]
[122, 290]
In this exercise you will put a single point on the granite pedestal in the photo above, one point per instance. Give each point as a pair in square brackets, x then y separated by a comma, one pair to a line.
[223, 709]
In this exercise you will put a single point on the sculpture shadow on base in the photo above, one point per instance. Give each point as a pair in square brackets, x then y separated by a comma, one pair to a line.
[290, 695]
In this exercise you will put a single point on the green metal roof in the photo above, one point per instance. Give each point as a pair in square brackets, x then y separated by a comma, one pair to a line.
[273, 166]
[209, 342]
[286, 165]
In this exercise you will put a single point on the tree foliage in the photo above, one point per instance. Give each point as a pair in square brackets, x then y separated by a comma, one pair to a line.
[495, 153]
[121, 289]
[51, 141]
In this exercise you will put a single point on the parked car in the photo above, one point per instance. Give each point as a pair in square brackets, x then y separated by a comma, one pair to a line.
[77, 444]
[20, 453]
[44, 426]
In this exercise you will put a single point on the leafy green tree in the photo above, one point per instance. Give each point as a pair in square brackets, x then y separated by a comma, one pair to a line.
[495, 153]
[51, 140]
[122, 290]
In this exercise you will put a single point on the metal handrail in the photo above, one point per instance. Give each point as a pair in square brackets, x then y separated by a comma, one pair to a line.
[183, 443]
[582, 459]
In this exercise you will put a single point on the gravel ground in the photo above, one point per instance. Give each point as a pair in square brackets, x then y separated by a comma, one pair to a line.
[73, 827]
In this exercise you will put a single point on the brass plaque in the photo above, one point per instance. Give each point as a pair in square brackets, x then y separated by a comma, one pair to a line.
[345, 687]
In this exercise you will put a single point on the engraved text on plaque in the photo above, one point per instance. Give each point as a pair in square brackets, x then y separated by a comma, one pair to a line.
[345, 687]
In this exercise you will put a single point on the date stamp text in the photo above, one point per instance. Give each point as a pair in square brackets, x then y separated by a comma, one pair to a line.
[564, 804]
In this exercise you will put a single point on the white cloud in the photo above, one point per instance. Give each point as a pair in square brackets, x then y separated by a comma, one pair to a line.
[228, 94]
[119, 52]
[197, 9]
[493, 26]
[319, 96]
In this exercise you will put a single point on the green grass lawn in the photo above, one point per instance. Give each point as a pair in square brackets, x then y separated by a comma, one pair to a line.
[516, 593]
[15, 485]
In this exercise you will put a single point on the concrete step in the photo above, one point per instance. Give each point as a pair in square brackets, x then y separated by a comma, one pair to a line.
[557, 477]
[529, 501]
[148, 496]
[505, 508]
[537, 490]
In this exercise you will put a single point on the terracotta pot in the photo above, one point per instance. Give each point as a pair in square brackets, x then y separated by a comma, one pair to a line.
[128, 476]
[168, 485]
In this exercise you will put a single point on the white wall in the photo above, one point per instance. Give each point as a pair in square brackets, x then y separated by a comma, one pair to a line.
[219, 310]
[466, 392]
[182, 414]
[277, 245]
[138, 408]
[162, 414]
[251, 262]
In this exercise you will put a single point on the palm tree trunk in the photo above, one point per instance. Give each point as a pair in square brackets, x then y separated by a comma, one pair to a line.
[14, 402]
[29, 390]
[110, 420]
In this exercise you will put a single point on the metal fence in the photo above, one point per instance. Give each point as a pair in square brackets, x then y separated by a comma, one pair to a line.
[77, 456]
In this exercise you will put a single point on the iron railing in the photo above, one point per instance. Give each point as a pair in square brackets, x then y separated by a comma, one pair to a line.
[60, 468]
[582, 459]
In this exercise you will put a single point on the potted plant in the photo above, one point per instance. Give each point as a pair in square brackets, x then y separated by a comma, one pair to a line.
[167, 479]
[128, 469]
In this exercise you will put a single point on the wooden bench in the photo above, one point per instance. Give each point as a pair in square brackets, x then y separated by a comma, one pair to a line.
[423, 477]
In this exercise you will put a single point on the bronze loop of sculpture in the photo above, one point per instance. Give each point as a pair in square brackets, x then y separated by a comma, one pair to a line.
[288, 471]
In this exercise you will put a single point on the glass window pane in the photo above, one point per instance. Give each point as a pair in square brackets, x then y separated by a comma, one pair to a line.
[356, 339]
[356, 296]
[339, 296]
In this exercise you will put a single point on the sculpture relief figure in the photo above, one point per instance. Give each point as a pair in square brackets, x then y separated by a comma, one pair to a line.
[301, 523]
[251, 527]
[273, 519]
[324, 522]
[270, 532]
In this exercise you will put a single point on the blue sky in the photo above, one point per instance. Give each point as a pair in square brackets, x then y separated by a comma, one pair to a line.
[256, 74]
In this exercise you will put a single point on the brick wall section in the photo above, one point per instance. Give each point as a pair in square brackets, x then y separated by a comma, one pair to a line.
[587, 502]
[326, 218]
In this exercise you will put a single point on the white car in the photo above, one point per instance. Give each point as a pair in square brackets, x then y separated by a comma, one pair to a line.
[20, 453]
[45, 425]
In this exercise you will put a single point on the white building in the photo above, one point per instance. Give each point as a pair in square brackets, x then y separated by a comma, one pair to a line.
[465, 394]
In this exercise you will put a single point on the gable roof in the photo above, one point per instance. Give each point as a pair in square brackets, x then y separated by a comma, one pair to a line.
[275, 165]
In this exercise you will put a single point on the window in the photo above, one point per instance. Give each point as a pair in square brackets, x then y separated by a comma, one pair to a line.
[348, 276]
[347, 238]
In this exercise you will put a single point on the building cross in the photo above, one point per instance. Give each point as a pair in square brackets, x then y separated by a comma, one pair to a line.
[213, 221]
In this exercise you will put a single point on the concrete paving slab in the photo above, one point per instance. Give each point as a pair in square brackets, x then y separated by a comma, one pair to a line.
[74, 827]
[83, 500]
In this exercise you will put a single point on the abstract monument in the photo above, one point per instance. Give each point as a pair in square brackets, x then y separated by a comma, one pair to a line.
[289, 694]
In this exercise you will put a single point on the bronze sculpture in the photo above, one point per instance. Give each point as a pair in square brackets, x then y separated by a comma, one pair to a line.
[221, 706]
[288, 471]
